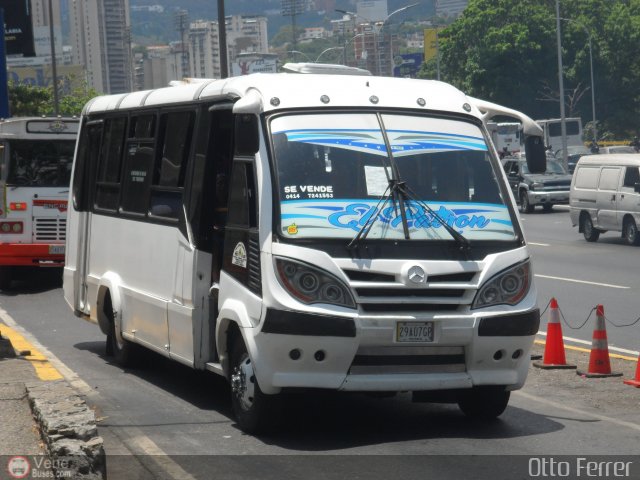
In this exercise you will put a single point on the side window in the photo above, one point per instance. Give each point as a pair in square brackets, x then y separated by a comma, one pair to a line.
[631, 177]
[242, 197]
[88, 151]
[173, 152]
[139, 161]
[609, 179]
[108, 178]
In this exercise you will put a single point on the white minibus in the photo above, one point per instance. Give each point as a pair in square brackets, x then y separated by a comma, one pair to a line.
[306, 231]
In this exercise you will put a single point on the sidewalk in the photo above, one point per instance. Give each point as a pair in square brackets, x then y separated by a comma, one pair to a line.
[47, 430]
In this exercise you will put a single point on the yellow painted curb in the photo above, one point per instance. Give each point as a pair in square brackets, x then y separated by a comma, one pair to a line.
[43, 368]
[586, 350]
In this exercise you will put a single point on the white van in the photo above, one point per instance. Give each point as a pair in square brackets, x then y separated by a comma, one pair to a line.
[605, 195]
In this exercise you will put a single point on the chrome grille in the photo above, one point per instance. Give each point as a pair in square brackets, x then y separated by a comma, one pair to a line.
[49, 229]
[384, 292]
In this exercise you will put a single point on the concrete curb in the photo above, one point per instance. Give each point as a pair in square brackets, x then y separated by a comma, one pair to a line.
[68, 428]
[66, 424]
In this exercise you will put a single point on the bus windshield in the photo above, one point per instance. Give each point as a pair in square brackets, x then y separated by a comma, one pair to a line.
[42, 163]
[333, 174]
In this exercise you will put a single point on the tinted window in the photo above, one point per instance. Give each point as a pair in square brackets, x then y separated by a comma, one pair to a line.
[108, 180]
[137, 177]
[175, 149]
[631, 177]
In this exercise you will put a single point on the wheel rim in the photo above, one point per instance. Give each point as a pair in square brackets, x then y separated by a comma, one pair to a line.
[243, 383]
[631, 232]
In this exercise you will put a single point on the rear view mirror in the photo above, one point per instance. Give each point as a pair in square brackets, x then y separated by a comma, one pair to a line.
[247, 134]
[535, 154]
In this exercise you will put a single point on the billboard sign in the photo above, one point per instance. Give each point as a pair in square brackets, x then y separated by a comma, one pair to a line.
[254, 63]
[18, 33]
[407, 65]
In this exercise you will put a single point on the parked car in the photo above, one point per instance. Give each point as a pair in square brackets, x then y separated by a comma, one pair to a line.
[547, 189]
[573, 155]
[618, 149]
[605, 195]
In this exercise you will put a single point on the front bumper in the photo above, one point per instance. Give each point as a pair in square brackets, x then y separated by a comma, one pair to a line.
[549, 198]
[489, 349]
[32, 254]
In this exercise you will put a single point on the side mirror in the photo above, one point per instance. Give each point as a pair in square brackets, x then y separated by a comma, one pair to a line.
[536, 156]
[247, 134]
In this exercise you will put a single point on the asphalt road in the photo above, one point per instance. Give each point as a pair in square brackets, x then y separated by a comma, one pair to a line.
[178, 422]
[581, 275]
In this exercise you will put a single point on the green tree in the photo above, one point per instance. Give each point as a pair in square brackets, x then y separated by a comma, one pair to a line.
[506, 51]
[32, 100]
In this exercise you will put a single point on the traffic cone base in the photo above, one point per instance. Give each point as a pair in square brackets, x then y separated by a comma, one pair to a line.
[551, 366]
[636, 381]
[598, 375]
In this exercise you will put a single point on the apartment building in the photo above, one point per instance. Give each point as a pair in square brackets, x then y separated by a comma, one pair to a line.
[100, 36]
[245, 34]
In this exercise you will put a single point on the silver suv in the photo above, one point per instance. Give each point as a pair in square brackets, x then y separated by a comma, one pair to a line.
[547, 189]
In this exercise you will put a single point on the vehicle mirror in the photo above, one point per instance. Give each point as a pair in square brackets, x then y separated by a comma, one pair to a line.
[535, 154]
[636, 187]
[247, 134]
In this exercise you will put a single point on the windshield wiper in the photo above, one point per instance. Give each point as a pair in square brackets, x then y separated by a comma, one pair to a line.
[366, 228]
[462, 241]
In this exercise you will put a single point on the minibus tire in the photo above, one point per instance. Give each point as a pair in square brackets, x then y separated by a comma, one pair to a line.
[264, 411]
[124, 353]
[590, 233]
[484, 403]
[630, 232]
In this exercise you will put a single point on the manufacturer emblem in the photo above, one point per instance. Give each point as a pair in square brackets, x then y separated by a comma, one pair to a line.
[417, 275]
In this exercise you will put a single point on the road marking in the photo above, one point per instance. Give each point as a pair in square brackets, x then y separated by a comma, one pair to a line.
[136, 438]
[44, 370]
[582, 281]
[540, 244]
[561, 406]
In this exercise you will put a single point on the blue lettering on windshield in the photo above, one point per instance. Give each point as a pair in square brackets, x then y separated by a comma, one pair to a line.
[355, 215]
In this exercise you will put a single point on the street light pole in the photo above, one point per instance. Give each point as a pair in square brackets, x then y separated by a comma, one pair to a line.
[381, 32]
[54, 74]
[325, 51]
[563, 124]
[593, 85]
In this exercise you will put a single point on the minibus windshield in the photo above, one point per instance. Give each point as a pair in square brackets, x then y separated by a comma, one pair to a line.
[333, 169]
[40, 163]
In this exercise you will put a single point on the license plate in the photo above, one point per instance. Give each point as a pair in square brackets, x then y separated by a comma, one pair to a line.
[414, 332]
[56, 249]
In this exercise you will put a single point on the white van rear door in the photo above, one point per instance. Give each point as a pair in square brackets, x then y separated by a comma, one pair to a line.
[607, 198]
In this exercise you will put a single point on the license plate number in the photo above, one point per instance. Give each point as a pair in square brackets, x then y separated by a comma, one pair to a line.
[414, 332]
[56, 249]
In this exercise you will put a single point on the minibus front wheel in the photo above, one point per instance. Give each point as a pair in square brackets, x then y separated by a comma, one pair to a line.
[255, 411]
[485, 402]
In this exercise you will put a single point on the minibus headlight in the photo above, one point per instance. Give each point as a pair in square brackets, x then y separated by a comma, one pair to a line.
[312, 285]
[508, 287]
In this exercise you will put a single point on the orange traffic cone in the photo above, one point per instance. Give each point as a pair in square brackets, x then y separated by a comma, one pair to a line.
[636, 381]
[554, 347]
[599, 365]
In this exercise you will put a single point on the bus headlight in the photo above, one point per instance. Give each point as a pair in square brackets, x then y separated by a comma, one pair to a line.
[508, 287]
[312, 285]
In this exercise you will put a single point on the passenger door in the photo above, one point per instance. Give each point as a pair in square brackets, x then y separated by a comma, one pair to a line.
[606, 200]
[628, 198]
